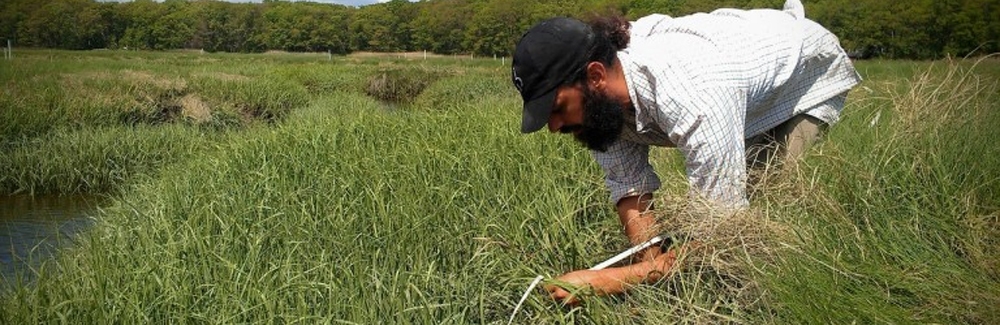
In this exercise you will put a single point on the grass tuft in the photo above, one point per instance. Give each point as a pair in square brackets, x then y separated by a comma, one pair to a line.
[400, 85]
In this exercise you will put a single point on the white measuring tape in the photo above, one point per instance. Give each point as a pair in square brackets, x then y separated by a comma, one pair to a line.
[602, 265]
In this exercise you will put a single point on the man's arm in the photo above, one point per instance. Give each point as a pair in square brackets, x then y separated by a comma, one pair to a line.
[635, 214]
[627, 173]
[613, 280]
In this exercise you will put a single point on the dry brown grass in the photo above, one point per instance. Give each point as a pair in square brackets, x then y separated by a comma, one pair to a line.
[729, 251]
[194, 109]
[150, 78]
[223, 76]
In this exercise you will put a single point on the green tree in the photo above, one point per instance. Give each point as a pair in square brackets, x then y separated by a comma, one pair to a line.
[210, 30]
[440, 24]
[496, 26]
[914, 29]
[224, 26]
[12, 15]
[304, 27]
[372, 30]
[175, 28]
[139, 17]
[965, 26]
[69, 24]
[403, 14]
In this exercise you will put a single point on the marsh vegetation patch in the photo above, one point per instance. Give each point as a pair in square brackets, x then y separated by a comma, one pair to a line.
[400, 85]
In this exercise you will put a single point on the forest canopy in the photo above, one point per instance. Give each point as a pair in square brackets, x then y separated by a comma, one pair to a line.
[913, 29]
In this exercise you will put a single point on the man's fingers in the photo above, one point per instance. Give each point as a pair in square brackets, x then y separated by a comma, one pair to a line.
[564, 297]
[561, 295]
[558, 294]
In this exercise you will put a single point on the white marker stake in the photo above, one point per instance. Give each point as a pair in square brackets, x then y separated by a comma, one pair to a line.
[609, 262]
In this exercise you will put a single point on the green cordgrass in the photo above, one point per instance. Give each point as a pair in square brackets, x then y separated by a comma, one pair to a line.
[95, 160]
[345, 209]
[901, 223]
[48, 90]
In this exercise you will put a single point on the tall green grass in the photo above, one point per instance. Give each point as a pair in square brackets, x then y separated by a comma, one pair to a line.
[344, 211]
[50, 90]
[898, 221]
[75, 122]
[351, 214]
[95, 160]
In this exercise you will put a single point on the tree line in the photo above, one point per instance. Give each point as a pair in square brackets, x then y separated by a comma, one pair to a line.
[914, 29]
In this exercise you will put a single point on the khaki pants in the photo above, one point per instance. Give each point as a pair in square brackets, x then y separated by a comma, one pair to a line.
[784, 143]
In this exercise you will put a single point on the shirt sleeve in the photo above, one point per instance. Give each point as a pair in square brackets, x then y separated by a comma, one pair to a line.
[627, 171]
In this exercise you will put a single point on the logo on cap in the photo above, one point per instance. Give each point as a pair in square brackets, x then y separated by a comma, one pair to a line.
[518, 83]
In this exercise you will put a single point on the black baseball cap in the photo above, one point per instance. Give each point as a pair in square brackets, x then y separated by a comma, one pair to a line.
[546, 57]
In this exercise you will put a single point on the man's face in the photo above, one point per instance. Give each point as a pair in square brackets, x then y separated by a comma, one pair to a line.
[594, 118]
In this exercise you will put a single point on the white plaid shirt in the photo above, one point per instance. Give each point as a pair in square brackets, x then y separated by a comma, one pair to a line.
[704, 83]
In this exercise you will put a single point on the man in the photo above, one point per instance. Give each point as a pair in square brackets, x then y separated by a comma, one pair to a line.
[714, 85]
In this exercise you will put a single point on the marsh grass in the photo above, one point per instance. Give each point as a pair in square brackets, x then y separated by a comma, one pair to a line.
[897, 217]
[401, 84]
[72, 123]
[463, 91]
[323, 79]
[343, 212]
[95, 160]
[381, 221]
[48, 90]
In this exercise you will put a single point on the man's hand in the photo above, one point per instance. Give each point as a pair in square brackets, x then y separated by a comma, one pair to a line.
[562, 295]
[599, 282]
[609, 281]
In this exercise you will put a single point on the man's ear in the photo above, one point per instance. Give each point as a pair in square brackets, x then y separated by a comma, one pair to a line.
[597, 75]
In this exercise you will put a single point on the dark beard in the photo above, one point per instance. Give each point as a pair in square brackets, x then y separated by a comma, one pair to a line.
[603, 121]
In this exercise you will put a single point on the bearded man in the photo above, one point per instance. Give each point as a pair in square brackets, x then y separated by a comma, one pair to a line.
[717, 86]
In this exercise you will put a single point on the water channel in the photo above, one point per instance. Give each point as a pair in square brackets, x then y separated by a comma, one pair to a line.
[33, 227]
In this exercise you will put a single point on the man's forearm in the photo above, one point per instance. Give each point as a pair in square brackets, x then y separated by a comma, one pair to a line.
[648, 271]
[617, 279]
[635, 214]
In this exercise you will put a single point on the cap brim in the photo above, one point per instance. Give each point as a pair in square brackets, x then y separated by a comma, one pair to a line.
[537, 111]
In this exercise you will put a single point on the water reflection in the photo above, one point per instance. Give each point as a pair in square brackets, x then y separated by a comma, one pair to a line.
[31, 227]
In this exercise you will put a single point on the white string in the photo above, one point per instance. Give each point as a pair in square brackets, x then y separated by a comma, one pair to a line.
[627, 253]
[538, 279]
